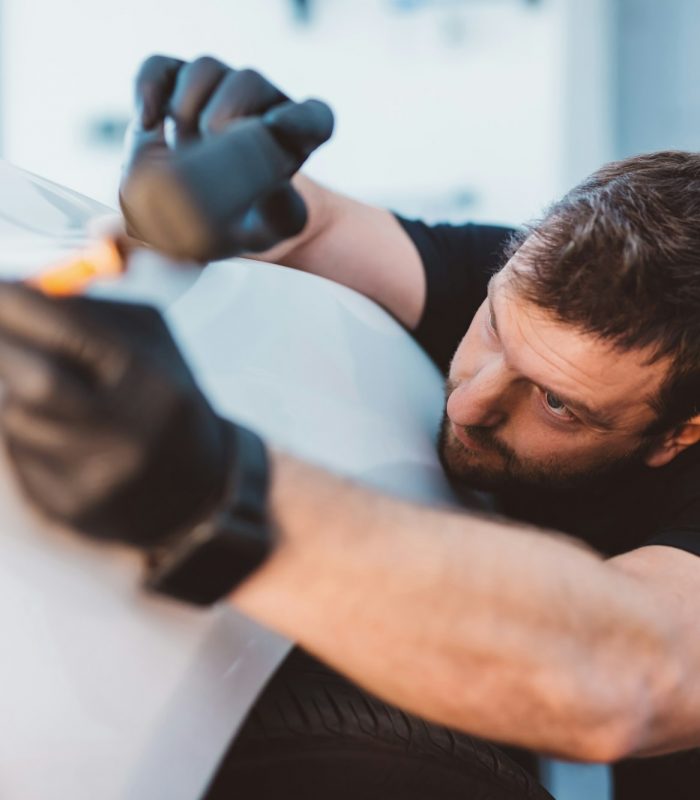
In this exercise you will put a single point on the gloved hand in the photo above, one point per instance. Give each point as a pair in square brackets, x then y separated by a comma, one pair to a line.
[221, 184]
[102, 419]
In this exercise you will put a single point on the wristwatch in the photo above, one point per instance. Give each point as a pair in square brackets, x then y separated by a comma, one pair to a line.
[206, 562]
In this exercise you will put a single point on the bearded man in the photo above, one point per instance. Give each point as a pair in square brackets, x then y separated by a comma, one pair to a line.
[572, 353]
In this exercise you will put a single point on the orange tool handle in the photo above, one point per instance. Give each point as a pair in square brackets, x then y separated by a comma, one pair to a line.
[103, 260]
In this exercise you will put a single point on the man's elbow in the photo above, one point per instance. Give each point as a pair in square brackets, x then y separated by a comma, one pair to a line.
[604, 744]
[628, 718]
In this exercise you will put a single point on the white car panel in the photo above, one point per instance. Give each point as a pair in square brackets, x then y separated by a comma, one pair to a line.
[106, 692]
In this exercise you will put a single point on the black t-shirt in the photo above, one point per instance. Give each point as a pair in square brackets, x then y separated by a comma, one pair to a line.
[649, 506]
[643, 506]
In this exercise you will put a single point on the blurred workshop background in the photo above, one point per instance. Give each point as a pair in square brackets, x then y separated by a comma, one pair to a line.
[450, 109]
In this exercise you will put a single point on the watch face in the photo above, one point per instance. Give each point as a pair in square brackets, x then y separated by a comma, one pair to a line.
[204, 569]
[205, 564]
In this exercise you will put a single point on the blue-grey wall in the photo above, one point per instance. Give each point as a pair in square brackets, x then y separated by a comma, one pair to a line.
[657, 61]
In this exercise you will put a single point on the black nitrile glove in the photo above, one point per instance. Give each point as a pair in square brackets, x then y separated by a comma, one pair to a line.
[221, 185]
[103, 422]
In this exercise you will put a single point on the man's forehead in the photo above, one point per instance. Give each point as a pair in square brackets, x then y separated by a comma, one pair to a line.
[617, 385]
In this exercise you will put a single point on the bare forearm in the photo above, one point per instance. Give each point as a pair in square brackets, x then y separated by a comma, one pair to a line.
[357, 245]
[505, 632]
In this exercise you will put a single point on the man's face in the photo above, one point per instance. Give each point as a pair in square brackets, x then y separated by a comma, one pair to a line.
[532, 401]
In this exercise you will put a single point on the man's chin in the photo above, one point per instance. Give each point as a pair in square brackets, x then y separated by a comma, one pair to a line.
[475, 476]
[462, 466]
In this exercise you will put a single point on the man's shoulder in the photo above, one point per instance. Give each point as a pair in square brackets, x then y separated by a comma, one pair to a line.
[468, 244]
[654, 506]
[678, 497]
[640, 506]
[458, 261]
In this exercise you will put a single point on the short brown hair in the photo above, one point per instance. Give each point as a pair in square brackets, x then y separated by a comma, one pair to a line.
[619, 257]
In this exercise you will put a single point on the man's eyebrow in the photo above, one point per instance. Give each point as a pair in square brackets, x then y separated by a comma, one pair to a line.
[593, 416]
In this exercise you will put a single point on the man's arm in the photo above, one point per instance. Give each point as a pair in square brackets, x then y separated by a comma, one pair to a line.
[358, 245]
[503, 631]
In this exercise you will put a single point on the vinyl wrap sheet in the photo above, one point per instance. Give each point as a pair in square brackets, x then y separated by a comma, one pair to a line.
[106, 692]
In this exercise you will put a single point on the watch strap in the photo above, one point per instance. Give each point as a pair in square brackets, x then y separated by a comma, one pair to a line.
[205, 563]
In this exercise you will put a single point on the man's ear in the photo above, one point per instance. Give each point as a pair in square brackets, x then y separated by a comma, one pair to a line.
[674, 443]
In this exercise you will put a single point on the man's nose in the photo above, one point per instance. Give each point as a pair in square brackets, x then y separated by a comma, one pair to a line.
[481, 398]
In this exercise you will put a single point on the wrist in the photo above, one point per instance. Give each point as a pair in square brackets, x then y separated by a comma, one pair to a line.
[297, 251]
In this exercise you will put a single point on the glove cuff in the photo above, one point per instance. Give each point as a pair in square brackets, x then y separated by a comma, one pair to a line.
[205, 563]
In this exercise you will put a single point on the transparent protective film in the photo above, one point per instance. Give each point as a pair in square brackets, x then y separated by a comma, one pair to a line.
[40, 222]
[106, 692]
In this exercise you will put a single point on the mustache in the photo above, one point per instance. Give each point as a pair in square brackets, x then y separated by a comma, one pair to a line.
[488, 439]
[481, 435]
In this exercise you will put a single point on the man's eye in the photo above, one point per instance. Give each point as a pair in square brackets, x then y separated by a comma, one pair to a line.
[556, 406]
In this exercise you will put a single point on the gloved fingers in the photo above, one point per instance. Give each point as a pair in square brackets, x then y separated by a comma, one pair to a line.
[301, 127]
[70, 328]
[155, 83]
[186, 208]
[33, 380]
[196, 82]
[48, 480]
[141, 143]
[241, 93]
[189, 206]
[279, 215]
[54, 325]
[43, 429]
[137, 324]
[69, 476]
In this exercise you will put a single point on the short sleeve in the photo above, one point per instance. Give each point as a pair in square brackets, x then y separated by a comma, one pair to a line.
[681, 529]
[678, 499]
[688, 540]
[459, 261]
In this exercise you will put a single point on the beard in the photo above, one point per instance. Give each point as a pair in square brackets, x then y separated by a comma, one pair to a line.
[495, 467]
